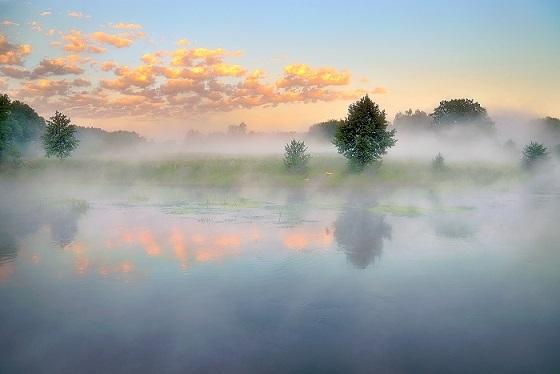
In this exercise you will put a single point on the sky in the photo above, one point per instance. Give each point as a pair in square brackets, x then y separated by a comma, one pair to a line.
[163, 67]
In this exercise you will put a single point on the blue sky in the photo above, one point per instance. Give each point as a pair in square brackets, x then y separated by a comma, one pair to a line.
[506, 54]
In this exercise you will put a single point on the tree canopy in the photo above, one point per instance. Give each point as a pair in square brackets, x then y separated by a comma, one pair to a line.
[19, 125]
[24, 123]
[5, 135]
[409, 120]
[363, 138]
[325, 130]
[459, 112]
[60, 139]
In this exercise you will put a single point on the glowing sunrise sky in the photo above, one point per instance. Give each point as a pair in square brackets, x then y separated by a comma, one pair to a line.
[163, 67]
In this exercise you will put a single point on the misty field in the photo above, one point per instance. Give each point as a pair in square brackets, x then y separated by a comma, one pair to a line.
[238, 171]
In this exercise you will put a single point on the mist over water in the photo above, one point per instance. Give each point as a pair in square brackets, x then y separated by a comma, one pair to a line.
[249, 278]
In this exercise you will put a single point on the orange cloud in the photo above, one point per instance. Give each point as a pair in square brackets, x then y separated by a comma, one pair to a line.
[11, 54]
[58, 66]
[114, 40]
[44, 87]
[76, 14]
[96, 49]
[9, 23]
[142, 76]
[127, 26]
[14, 72]
[45, 13]
[35, 26]
[379, 90]
[186, 57]
[76, 42]
[182, 85]
[172, 83]
[108, 65]
[302, 75]
[183, 42]
[152, 58]
[81, 82]
[226, 70]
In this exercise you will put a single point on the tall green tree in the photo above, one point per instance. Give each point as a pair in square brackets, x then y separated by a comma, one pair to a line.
[460, 112]
[60, 138]
[24, 123]
[363, 138]
[5, 134]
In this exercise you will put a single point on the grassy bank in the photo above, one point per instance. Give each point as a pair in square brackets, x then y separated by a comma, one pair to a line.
[261, 171]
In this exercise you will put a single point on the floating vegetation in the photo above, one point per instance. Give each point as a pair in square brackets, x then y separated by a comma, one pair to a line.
[414, 211]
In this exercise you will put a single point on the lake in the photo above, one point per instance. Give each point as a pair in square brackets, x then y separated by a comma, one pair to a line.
[144, 279]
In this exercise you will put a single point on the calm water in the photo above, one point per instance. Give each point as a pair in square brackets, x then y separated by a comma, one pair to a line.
[176, 280]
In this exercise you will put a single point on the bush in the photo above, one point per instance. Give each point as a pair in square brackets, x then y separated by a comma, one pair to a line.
[533, 153]
[438, 163]
[296, 157]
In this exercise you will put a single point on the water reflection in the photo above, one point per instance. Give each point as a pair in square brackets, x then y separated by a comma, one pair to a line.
[63, 221]
[360, 233]
[453, 229]
[293, 212]
[8, 246]
[140, 280]
[16, 221]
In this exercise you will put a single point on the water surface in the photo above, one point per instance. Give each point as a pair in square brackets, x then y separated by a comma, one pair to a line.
[180, 280]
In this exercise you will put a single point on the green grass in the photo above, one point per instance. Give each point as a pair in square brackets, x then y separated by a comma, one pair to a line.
[215, 171]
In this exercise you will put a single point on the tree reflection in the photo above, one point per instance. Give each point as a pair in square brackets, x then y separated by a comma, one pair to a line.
[20, 218]
[64, 223]
[292, 213]
[16, 221]
[360, 233]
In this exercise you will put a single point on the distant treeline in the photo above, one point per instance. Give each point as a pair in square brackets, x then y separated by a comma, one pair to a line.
[21, 129]
[463, 114]
[234, 132]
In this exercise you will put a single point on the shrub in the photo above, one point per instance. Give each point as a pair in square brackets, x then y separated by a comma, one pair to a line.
[533, 153]
[296, 156]
[438, 163]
